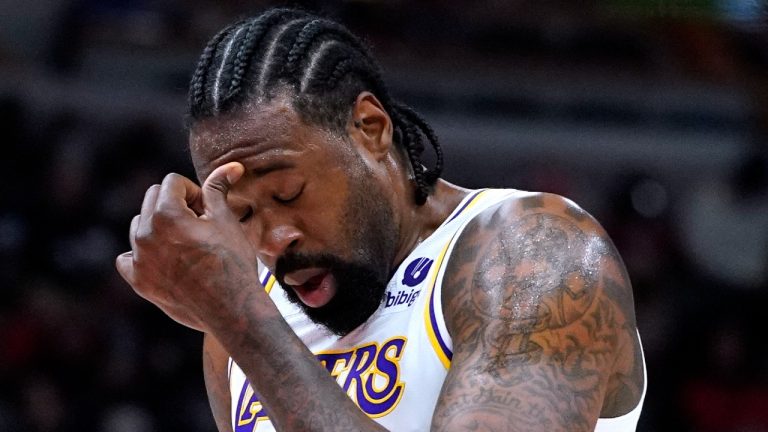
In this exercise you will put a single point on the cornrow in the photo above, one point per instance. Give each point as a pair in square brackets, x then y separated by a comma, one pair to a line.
[216, 91]
[322, 64]
[244, 52]
[197, 85]
[422, 190]
[432, 175]
[244, 55]
[301, 45]
[273, 67]
[339, 71]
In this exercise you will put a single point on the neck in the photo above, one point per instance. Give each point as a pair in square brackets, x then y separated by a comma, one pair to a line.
[419, 222]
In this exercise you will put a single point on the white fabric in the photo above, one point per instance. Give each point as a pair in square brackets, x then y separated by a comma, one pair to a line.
[627, 422]
[394, 365]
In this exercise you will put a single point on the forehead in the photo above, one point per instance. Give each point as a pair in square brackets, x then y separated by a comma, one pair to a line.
[253, 129]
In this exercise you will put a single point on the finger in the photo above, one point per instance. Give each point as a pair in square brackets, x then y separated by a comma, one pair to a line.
[132, 234]
[180, 193]
[144, 222]
[124, 265]
[216, 188]
[148, 205]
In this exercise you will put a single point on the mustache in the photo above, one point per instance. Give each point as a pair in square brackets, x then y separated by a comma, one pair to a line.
[360, 290]
[293, 261]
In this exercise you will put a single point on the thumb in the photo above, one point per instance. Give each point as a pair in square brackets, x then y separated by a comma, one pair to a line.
[217, 186]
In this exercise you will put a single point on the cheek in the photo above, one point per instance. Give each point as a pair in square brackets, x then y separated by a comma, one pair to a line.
[323, 220]
[324, 214]
[253, 233]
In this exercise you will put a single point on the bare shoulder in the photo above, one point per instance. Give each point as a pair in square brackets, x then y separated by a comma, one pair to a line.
[540, 309]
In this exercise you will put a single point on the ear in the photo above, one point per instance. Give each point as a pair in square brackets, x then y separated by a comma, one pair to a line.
[370, 126]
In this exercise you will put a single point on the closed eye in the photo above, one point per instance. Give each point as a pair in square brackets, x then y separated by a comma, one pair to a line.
[247, 215]
[289, 199]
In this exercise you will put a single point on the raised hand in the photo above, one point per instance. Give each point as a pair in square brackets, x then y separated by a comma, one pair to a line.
[189, 255]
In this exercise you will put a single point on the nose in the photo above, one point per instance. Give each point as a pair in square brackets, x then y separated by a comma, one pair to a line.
[276, 240]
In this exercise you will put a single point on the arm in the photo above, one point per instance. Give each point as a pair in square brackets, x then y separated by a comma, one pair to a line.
[189, 257]
[295, 389]
[540, 311]
[215, 360]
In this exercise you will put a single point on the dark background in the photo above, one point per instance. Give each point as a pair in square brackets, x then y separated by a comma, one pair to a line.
[650, 114]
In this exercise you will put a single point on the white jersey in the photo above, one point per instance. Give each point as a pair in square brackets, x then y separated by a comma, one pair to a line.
[392, 366]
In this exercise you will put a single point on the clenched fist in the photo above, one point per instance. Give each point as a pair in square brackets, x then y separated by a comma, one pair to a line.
[189, 255]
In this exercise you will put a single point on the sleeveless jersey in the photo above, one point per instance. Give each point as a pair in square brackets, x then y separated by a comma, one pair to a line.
[392, 366]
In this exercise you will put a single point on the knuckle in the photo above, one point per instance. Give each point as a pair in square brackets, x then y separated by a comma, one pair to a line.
[144, 235]
[218, 185]
[165, 212]
[171, 178]
[152, 189]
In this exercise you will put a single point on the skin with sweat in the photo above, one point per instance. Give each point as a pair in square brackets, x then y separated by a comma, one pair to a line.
[535, 296]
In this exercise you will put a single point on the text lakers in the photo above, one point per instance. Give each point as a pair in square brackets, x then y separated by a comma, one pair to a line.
[369, 374]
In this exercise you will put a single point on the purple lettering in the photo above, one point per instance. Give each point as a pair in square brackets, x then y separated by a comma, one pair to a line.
[379, 402]
[414, 296]
[330, 360]
[361, 362]
[390, 300]
[249, 410]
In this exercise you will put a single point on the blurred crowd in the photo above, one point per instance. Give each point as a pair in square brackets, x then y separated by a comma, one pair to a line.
[80, 352]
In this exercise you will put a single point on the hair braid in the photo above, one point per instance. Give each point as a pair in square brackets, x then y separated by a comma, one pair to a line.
[323, 67]
[304, 39]
[255, 33]
[343, 35]
[413, 145]
[321, 29]
[414, 142]
[242, 60]
[198, 82]
[341, 70]
[432, 175]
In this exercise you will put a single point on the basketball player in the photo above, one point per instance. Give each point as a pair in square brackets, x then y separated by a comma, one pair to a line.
[343, 286]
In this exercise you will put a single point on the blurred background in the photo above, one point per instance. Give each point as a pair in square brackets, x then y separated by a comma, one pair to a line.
[651, 114]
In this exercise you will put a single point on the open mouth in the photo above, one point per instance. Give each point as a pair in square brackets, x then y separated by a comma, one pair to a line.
[314, 286]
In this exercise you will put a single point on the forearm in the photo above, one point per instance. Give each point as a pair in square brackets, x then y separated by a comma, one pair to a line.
[296, 390]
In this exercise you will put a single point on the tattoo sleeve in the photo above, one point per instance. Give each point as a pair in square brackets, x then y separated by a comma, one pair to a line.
[541, 313]
[296, 390]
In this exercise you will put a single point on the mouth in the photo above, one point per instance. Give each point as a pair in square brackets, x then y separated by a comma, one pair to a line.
[314, 286]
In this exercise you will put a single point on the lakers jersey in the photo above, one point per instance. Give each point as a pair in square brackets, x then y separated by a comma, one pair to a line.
[392, 366]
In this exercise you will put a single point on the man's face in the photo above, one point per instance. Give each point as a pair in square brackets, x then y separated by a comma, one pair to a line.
[309, 205]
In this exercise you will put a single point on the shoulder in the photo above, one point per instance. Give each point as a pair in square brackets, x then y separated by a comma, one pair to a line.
[537, 259]
[540, 312]
[521, 207]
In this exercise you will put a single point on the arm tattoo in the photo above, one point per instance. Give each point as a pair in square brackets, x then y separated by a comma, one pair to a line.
[538, 310]
[297, 391]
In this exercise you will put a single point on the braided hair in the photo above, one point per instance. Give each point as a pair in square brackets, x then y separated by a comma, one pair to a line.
[324, 66]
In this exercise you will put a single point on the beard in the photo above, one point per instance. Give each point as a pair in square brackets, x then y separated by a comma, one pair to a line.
[370, 234]
[359, 291]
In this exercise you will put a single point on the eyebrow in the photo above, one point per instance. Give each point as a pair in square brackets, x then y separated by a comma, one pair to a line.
[232, 152]
[270, 167]
[262, 167]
